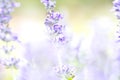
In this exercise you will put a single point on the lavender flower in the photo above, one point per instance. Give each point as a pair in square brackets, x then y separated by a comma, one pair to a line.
[8, 49]
[116, 8]
[49, 4]
[10, 62]
[6, 35]
[65, 72]
[53, 22]
[57, 31]
[6, 7]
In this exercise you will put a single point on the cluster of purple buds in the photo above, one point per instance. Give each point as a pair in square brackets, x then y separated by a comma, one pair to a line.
[49, 4]
[116, 8]
[65, 72]
[10, 62]
[6, 34]
[53, 22]
[6, 7]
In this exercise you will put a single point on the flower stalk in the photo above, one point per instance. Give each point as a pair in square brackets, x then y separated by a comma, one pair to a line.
[9, 42]
[57, 31]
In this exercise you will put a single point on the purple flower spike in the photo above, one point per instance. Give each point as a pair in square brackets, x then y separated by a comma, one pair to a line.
[57, 32]
[6, 7]
[53, 22]
[116, 8]
[6, 34]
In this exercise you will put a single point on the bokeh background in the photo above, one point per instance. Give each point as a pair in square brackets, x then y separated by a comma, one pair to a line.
[91, 22]
[79, 14]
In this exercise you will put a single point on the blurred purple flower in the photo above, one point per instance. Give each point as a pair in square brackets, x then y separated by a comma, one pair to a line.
[6, 7]
[65, 71]
[6, 34]
[52, 22]
[116, 8]
[8, 49]
[57, 32]
[49, 4]
[10, 62]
